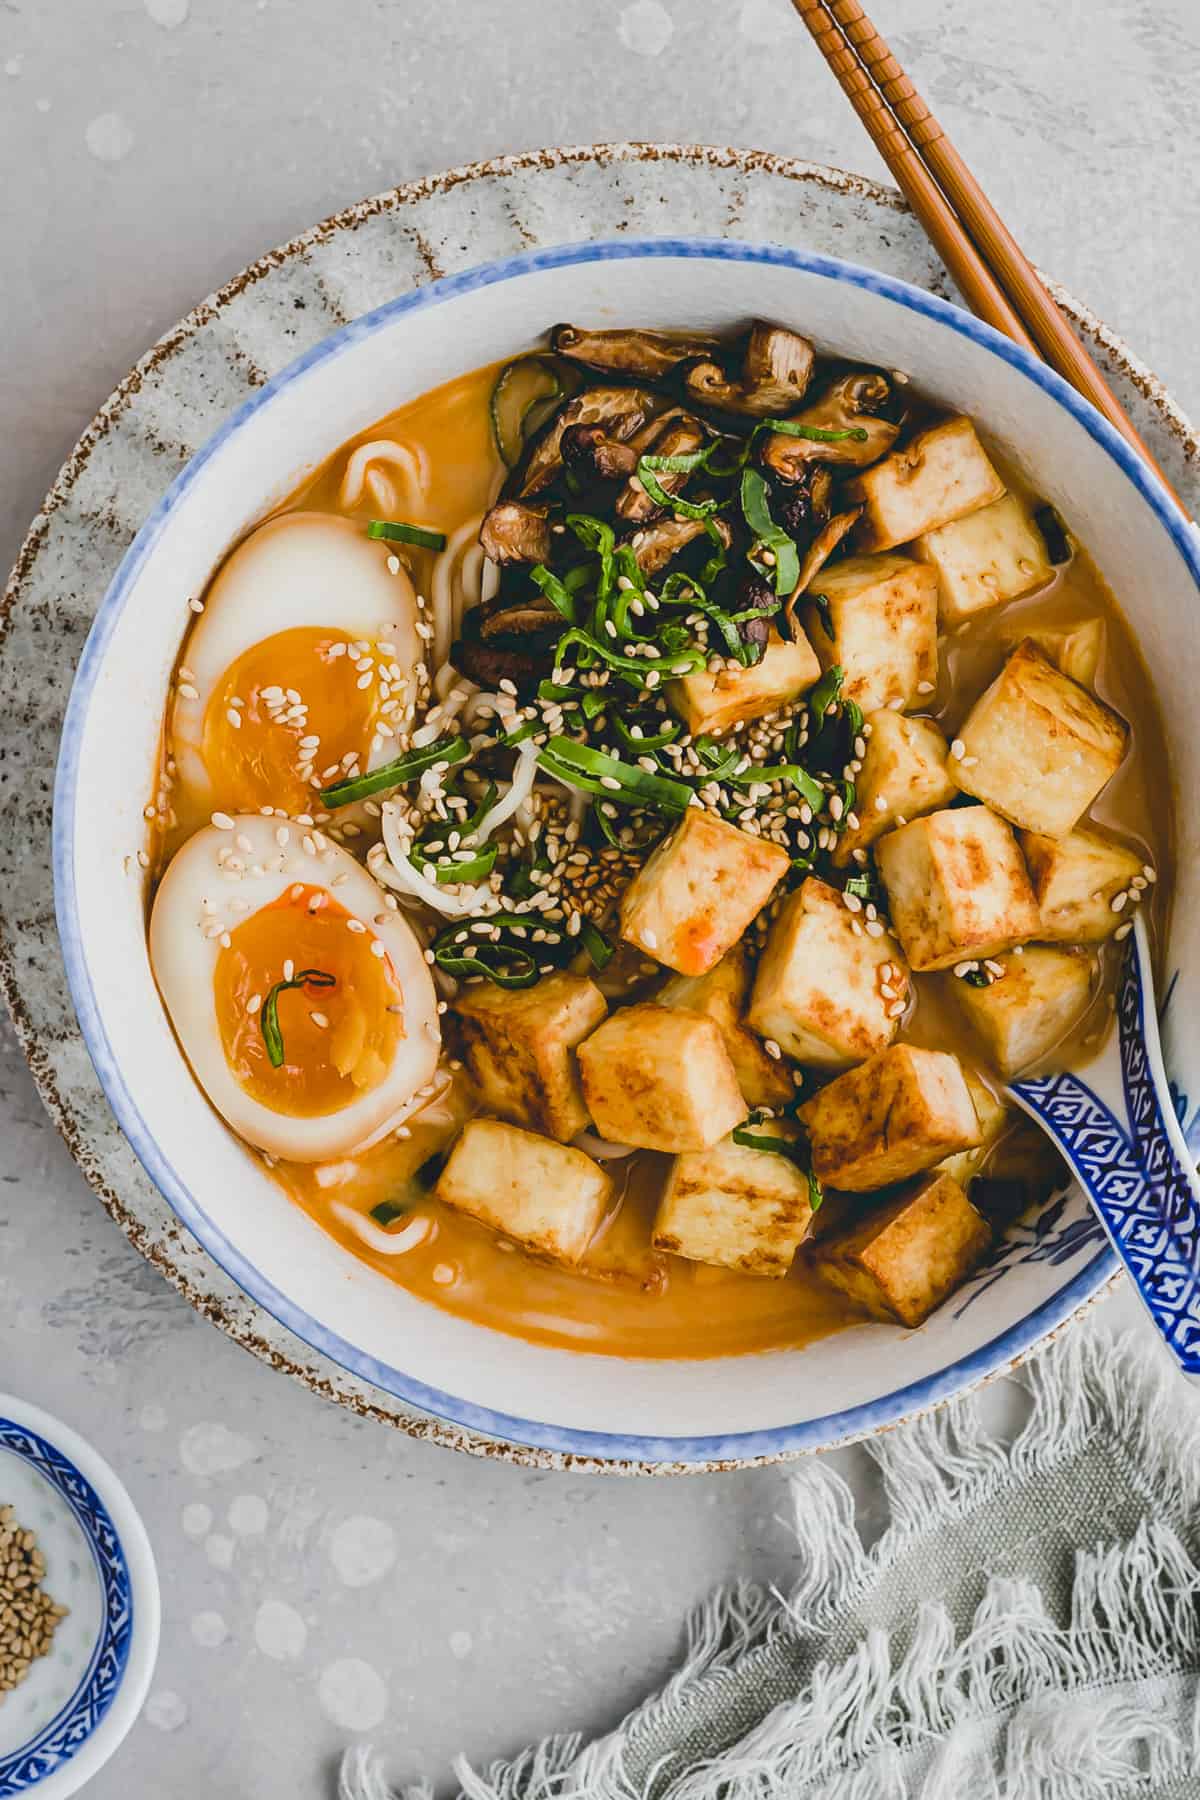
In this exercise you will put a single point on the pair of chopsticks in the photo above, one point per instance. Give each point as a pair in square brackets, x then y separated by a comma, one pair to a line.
[984, 259]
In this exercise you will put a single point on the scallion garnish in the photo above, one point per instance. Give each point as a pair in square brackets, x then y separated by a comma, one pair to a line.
[649, 741]
[578, 765]
[755, 497]
[395, 774]
[648, 470]
[599, 948]
[826, 694]
[492, 947]
[556, 591]
[794, 1150]
[268, 1018]
[396, 531]
[818, 434]
[808, 789]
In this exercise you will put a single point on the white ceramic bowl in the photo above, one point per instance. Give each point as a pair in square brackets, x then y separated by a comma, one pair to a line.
[76, 1704]
[597, 1407]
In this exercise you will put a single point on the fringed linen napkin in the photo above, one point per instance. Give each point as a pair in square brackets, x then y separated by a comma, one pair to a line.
[1027, 1628]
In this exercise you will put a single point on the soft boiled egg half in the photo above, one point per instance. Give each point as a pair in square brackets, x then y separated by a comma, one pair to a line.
[300, 996]
[297, 672]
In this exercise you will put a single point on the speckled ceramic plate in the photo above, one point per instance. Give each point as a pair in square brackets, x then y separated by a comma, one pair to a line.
[174, 400]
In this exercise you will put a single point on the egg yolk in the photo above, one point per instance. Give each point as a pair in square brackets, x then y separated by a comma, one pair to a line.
[337, 1029]
[295, 712]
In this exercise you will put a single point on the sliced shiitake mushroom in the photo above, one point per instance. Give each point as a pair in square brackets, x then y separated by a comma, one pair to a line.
[817, 555]
[489, 662]
[776, 370]
[514, 533]
[622, 410]
[646, 355]
[681, 437]
[854, 403]
[596, 451]
[657, 544]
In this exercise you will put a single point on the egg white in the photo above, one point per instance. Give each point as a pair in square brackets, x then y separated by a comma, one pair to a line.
[302, 569]
[199, 897]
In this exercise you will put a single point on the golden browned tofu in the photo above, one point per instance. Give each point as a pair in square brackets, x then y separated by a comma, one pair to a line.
[711, 700]
[735, 1206]
[660, 1079]
[877, 621]
[957, 887]
[994, 1118]
[1041, 995]
[991, 556]
[903, 775]
[1036, 746]
[520, 1048]
[721, 995]
[547, 1196]
[1076, 879]
[827, 990]
[1075, 649]
[892, 1117]
[939, 475]
[909, 1255]
[695, 895]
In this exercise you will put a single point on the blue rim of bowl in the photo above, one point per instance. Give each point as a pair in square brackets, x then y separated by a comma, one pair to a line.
[776, 1441]
[23, 1769]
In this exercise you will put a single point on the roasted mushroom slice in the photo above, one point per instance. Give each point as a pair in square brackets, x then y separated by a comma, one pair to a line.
[776, 371]
[512, 533]
[648, 355]
[659, 543]
[854, 403]
[621, 409]
[816, 556]
[596, 451]
[803, 506]
[501, 659]
[530, 614]
[683, 436]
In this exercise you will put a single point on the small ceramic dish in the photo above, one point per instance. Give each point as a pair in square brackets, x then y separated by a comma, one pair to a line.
[63, 1722]
[607, 1409]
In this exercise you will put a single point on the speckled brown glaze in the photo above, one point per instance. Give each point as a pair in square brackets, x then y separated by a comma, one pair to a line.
[176, 397]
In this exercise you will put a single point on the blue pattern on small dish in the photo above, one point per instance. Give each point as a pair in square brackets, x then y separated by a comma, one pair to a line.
[60, 1737]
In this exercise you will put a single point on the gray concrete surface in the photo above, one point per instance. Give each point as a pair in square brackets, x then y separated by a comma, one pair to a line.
[150, 148]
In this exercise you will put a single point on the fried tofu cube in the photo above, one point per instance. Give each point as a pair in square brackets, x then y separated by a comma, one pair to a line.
[939, 475]
[695, 895]
[892, 1117]
[1076, 880]
[712, 700]
[906, 1257]
[903, 775]
[991, 556]
[547, 1196]
[1075, 649]
[721, 996]
[818, 992]
[1020, 1017]
[957, 887]
[735, 1206]
[1036, 746]
[660, 1079]
[876, 618]
[994, 1118]
[520, 1049]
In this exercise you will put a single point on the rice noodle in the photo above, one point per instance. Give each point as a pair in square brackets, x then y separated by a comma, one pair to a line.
[361, 473]
[458, 585]
[387, 1243]
[396, 871]
[524, 775]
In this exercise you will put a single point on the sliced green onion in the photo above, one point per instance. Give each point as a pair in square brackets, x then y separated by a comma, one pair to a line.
[825, 695]
[669, 465]
[755, 498]
[477, 868]
[824, 612]
[395, 774]
[508, 415]
[597, 537]
[861, 886]
[634, 665]
[582, 767]
[817, 434]
[268, 1018]
[649, 741]
[801, 780]
[466, 949]
[639, 830]
[599, 948]
[748, 1136]
[558, 594]
[395, 531]
[388, 1211]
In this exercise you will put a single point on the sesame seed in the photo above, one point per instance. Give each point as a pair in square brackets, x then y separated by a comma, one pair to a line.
[772, 1049]
[253, 1004]
[222, 821]
[1117, 903]
[958, 748]
[234, 717]
[852, 903]
[355, 925]
[1149, 872]
[143, 859]
[873, 928]
[196, 606]
[289, 969]
[965, 968]
[650, 940]
[925, 687]
[377, 949]
[320, 1020]
[186, 691]
[1124, 930]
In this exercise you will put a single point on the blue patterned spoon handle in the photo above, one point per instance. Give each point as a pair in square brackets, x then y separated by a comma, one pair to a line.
[1128, 1152]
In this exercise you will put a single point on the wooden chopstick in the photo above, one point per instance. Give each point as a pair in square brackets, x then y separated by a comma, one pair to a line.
[987, 264]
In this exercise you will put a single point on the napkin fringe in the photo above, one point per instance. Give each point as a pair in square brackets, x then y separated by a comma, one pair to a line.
[938, 1723]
